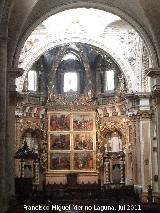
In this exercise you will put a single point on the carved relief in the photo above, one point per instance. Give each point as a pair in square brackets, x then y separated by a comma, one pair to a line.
[145, 61]
[129, 41]
[145, 114]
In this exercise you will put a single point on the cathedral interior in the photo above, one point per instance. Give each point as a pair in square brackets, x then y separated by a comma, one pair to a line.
[80, 103]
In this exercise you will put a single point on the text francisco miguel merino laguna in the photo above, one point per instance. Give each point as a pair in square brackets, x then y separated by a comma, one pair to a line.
[62, 208]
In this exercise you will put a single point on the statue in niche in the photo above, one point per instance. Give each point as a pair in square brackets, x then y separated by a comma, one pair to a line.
[114, 144]
[31, 142]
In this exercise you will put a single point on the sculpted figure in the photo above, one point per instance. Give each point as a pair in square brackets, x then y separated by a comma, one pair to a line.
[115, 143]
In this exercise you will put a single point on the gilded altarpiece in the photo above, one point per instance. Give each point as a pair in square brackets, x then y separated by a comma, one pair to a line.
[115, 149]
[71, 141]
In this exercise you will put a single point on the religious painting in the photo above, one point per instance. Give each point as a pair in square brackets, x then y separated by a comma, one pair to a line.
[59, 141]
[83, 161]
[83, 122]
[59, 161]
[83, 141]
[59, 122]
[71, 141]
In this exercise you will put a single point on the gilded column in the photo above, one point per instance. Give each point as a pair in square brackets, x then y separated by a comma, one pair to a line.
[122, 169]
[106, 172]
[131, 153]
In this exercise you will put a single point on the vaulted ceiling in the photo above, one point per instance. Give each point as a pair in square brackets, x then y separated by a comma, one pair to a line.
[24, 16]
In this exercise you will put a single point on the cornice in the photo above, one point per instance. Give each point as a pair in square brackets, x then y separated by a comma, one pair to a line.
[15, 72]
[153, 72]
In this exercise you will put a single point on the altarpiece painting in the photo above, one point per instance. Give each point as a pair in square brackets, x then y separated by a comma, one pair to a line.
[59, 122]
[83, 122]
[83, 160]
[83, 141]
[71, 141]
[59, 161]
[59, 141]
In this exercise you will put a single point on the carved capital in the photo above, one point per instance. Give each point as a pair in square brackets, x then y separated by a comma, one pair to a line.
[12, 75]
[153, 72]
[145, 114]
[156, 90]
[15, 72]
[155, 80]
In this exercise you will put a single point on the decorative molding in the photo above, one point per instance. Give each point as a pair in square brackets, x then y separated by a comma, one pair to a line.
[145, 114]
[31, 111]
[112, 109]
[145, 65]
[29, 124]
[153, 72]
[71, 101]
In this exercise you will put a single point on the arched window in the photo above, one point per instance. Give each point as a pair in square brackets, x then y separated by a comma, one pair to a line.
[70, 74]
[70, 56]
[70, 81]
[109, 80]
[32, 80]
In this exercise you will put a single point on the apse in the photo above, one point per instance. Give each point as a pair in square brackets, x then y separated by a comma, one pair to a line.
[85, 91]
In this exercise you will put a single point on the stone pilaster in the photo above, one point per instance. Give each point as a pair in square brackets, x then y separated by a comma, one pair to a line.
[154, 74]
[140, 108]
[11, 127]
[145, 147]
[145, 115]
[3, 145]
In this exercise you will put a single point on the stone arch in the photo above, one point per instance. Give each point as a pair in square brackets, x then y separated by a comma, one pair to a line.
[97, 5]
[36, 52]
